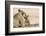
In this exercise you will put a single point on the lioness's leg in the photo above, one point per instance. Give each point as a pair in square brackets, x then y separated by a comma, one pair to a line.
[16, 23]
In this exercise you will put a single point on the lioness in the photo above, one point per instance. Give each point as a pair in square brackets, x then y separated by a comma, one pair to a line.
[18, 19]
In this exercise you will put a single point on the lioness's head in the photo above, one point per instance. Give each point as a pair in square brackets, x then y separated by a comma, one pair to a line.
[22, 13]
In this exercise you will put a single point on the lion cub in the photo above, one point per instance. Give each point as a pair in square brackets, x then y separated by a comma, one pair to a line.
[18, 19]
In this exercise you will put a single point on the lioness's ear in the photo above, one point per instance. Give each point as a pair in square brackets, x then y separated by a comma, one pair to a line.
[20, 10]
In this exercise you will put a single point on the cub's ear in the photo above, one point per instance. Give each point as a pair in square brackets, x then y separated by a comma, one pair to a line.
[19, 10]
